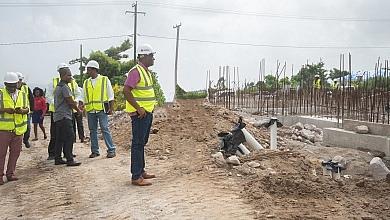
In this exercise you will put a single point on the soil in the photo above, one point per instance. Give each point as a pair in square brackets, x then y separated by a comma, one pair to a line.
[288, 184]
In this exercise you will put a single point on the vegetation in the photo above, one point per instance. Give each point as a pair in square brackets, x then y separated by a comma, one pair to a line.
[182, 94]
[111, 66]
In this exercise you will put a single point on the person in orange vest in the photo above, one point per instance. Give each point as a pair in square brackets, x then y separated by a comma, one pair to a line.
[140, 97]
[14, 108]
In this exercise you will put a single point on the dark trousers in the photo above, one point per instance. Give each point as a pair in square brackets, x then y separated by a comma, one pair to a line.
[52, 143]
[141, 130]
[26, 135]
[64, 139]
[78, 120]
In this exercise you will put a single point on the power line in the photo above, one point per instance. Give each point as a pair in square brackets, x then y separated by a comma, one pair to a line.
[198, 41]
[223, 11]
[193, 8]
[65, 40]
[267, 45]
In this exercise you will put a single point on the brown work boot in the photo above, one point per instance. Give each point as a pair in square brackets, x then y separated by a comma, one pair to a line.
[140, 182]
[12, 178]
[148, 176]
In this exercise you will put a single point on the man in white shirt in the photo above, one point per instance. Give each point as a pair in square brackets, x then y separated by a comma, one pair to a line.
[98, 103]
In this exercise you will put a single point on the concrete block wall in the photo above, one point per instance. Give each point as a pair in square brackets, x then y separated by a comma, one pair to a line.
[336, 137]
[318, 122]
[374, 128]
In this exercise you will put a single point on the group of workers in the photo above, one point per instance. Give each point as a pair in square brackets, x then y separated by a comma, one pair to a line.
[68, 102]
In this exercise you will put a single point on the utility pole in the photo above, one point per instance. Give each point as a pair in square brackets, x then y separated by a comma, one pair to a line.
[177, 54]
[135, 12]
[80, 60]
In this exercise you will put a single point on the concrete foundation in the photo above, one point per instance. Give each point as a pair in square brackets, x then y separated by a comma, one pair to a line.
[317, 121]
[335, 137]
[374, 128]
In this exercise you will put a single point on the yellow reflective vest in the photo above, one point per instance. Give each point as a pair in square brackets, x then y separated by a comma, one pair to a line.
[95, 96]
[72, 85]
[25, 89]
[317, 83]
[143, 93]
[13, 122]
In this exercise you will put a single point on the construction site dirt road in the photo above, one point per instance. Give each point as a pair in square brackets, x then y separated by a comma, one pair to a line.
[287, 184]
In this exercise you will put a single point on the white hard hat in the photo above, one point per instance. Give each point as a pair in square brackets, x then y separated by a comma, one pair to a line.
[93, 64]
[20, 75]
[62, 65]
[11, 77]
[317, 75]
[145, 49]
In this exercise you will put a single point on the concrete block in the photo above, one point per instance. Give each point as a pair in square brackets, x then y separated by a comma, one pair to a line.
[374, 128]
[336, 137]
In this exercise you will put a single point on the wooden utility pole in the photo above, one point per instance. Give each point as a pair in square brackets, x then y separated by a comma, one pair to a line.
[135, 12]
[177, 54]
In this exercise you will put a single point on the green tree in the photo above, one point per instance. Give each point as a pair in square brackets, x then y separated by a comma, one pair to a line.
[114, 52]
[307, 73]
[270, 81]
[336, 73]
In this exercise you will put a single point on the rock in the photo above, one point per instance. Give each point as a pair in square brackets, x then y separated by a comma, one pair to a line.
[260, 123]
[318, 131]
[376, 153]
[309, 127]
[294, 137]
[361, 183]
[299, 138]
[154, 131]
[298, 126]
[361, 129]
[246, 170]
[270, 216]
[317, 137]
[163, 158]
[378, 168]
[367, 218]
[341, 160]
[253, 164]
[219, 159]
[233, 160]
[307, 134]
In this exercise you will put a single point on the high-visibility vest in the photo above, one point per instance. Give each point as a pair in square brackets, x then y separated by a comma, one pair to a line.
[72, 85]
[335, 85]
[25, 89]
[95, 97]
[143, 93]
[317, 83]
[13, 122]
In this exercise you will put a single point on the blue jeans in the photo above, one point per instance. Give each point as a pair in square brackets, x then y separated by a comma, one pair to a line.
[102, 118]
[140, 129]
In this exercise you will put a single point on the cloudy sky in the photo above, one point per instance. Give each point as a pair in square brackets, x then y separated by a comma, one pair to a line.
[214, 33]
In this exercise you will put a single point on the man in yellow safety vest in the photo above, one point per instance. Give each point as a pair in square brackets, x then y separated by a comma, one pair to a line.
[98, 103]
[140, 97]
[13, 124]
[317, 82]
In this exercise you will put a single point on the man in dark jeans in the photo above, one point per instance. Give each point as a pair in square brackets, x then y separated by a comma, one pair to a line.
[62, 117]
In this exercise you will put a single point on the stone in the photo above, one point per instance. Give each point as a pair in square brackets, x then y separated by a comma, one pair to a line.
[307, 134]
[163, 158]
[309, 127]
[154, 131]
[341, 160]
[219, 159]
[378, 168]
[294, 137]
[298, 126]
[253, 164]
[246, 170]
[361, 129]
[299, 138]
[233, 160]
[260, 123]
[361, 183]
[317, 137]
[318, 131]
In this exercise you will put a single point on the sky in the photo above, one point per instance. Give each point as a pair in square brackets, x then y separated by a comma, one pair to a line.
[213, 34]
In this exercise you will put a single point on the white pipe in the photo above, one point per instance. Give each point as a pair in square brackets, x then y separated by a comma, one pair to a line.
[244, 149]
[251, 140]
[273, 136]
[238, 153]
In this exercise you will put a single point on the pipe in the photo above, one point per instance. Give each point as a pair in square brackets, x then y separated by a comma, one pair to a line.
[244, 149]
[251, 140]
[273, 136]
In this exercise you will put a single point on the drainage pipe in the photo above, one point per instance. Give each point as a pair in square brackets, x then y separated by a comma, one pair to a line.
[251, 140]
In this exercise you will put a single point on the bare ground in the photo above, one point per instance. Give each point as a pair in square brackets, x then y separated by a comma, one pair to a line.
[287, 185]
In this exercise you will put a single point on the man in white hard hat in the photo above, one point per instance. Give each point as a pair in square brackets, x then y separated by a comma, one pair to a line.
[13, 116]
[140, 97]
[26, 89]
[317, 82]
[98, 103]
[63, 118]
